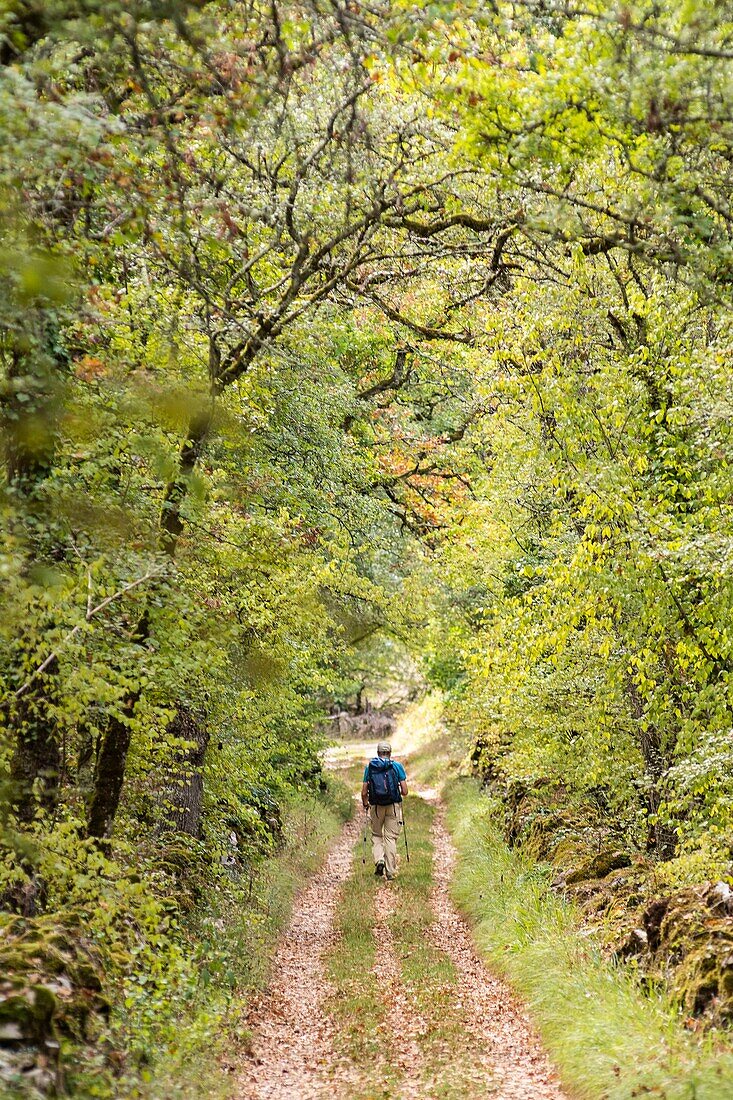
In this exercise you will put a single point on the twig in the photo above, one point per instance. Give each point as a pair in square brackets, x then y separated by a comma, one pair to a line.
[91, 612]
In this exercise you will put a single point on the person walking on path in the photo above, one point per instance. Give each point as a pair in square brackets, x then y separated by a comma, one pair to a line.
[382, 791]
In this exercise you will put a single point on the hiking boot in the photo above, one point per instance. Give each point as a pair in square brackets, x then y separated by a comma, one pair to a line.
[390, 874]
[379, 869]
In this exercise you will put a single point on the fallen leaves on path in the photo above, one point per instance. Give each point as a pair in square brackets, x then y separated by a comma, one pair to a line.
[294, 1049]
[293, 1055]
[496, 1023]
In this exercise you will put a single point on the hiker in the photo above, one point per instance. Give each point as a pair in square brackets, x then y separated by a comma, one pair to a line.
[384, 786]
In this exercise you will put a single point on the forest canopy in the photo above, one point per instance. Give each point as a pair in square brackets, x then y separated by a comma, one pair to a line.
[339, 340]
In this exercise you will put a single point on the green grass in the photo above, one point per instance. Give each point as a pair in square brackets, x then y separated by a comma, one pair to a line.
[609, 1040]
[357, 1005]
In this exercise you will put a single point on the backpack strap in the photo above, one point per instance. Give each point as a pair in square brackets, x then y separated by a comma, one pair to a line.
[397, 781]
[370, 784]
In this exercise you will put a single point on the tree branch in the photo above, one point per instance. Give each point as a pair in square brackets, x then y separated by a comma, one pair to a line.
[90, 614]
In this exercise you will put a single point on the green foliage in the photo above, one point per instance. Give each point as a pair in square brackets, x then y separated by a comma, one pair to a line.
[336, 343]
[602, 658]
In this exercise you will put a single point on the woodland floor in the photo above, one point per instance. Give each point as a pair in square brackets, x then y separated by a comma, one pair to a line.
[377, 989]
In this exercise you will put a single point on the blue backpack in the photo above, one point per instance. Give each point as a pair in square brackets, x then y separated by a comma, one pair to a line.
[384, 786]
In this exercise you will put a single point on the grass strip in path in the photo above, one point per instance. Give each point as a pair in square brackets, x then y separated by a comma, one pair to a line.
[609, 1040]
[448, 1069]
[356, 1004]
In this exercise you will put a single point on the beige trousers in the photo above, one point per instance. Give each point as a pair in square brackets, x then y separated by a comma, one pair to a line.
[386, 822]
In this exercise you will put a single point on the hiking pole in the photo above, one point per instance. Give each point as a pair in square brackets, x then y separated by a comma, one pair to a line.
[404, 833]
[366, 823]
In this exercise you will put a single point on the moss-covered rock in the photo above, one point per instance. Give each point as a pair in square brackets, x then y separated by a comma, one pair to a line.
[599, 866]
[683, 942]
[52, 980]
[31, 1009]
[51, 987]
[679, 940]
[631, 945]
[549, 826]
[694, 950]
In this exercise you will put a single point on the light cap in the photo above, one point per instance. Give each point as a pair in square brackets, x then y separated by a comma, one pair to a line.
[384, 748]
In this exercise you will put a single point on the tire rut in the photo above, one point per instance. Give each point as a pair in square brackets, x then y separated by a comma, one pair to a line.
[496, 1023]
[292, 1047]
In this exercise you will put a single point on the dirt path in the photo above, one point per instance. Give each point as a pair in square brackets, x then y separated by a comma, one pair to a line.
[496, 1022]
[294, 1042]
[292, 1047]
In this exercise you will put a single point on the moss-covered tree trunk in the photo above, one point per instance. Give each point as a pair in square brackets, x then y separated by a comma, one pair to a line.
[182, 797]
[109, 774]
[36, 762]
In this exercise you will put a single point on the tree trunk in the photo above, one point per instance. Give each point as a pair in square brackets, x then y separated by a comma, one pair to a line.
[36, 761]
[109, 773]
[171, 523]
[661, 839]
[182, 797]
